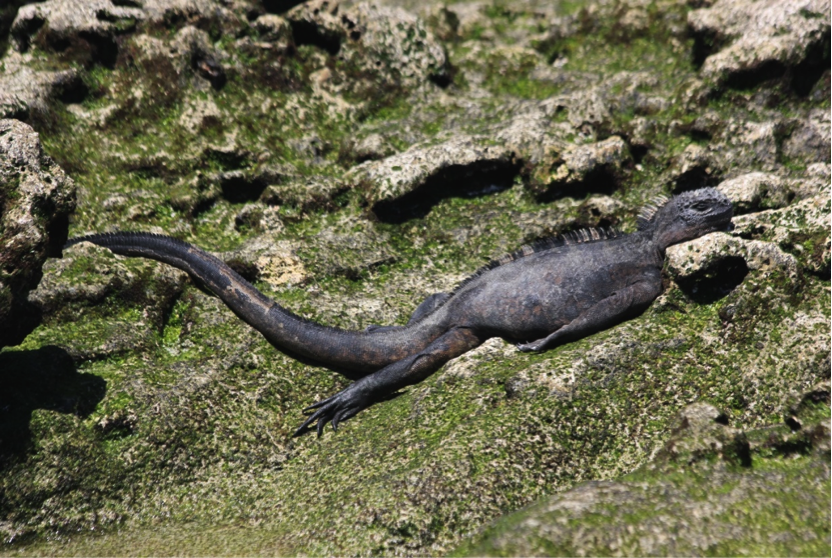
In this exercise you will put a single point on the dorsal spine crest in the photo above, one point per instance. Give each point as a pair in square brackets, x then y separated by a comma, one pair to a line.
[645, 216]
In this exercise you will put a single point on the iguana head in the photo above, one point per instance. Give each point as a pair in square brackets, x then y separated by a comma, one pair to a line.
[690, 215]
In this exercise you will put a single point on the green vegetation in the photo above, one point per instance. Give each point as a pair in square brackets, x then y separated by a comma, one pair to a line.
[175, 433]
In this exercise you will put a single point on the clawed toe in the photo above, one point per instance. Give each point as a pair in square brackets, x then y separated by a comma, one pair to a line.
[336, 409]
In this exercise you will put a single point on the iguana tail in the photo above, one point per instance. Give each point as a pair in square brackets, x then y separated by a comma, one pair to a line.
[353, 353]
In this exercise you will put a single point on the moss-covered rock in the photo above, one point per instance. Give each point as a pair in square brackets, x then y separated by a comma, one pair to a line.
[706, 494]
[142, 416]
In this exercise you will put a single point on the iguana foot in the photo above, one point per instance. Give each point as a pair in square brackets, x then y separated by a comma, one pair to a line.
[341, 406]
[534, 347]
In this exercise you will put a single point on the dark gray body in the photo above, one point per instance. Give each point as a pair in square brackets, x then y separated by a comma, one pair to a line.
[539, 297]
[533, 296]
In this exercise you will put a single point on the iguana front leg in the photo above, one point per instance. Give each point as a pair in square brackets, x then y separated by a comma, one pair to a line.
[606, 313]
[410, 370]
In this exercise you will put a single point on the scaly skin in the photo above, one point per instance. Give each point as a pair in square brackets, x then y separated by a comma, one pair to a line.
[538, 297]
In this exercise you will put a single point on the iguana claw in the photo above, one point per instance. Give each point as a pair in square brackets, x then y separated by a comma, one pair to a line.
[336, 409]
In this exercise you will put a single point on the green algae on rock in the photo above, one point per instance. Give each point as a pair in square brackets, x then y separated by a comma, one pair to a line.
[142, 408]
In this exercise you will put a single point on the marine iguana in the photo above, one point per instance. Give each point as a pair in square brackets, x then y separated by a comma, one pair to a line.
[540, 296]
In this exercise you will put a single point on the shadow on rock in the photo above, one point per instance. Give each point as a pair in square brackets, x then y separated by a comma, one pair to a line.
[715, 281]
[45, 378]
[460, 181]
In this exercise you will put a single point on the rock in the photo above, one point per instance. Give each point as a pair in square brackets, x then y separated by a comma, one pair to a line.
[274, 29]
[73, 288]
[758, 39]
[189, 55]
[748, 146]
[701, 433]
[398, 40]
[262, 258]
[719, 257]
[36, 198]
[25, 90]
[705, 506]
[317, 23]
[802, 227]
[260, 218]
[754, 191]
[297, 194]
[580, 169]
[372, 148]
[532, 131]
[349, 249]
[200, 114]
[388, 43]
[810, 140]
[90, 28]
[432, 167]
[696, 167]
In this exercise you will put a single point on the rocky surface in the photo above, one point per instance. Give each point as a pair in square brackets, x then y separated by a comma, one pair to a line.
[708, 491]
[755, 40]
[36, 198]
[352, 158]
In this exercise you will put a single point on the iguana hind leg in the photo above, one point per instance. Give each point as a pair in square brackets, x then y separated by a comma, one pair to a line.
[427, 306]
[410, 370]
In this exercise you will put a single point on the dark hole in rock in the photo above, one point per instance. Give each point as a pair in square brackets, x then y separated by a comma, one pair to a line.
[704, 44]
[127, 3]
[248, 270]
[25, 318]
[443, 79]
[455, 181]
[602, 180]
[208, 68]
[103, 49]
[806, 74]
[45, 378]
[748, 79]
[25, 30]
[306, 33]
[700, 135]
[693, 179]
[240, 189]
[57, 232]
[280, 6]
[714, 282]
[638, 152]
[73, 90]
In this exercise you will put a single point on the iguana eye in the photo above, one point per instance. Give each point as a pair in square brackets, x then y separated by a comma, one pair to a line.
[701, 206]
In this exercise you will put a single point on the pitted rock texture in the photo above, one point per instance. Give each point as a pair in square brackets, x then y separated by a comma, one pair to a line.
[25, 90]
[55, 22]
[36, 198]
[760, 36]
[386, 42]
[401, 174]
